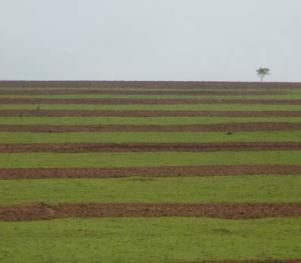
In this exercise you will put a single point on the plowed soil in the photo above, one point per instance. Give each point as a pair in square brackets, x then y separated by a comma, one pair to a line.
[149, 147]
[63, 91]
[225, 211]
[148, 101]
[163, 171]
[156, 113]
[227, 127]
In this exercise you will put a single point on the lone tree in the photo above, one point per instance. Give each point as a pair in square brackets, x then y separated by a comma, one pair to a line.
[262, 72]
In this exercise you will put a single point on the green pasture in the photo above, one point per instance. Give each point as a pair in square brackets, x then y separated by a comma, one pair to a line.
[141, 120]
[149, 240]
[293, 94]
[152, 137]
[145, 159]
[255, 189]
[169, 107]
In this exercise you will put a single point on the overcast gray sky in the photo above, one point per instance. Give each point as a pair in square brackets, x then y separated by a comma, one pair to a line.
[149, 39]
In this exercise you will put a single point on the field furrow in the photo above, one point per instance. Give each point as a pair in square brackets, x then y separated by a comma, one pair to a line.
[162, 171]
[224, 211]
[227, 127]
[149, 147]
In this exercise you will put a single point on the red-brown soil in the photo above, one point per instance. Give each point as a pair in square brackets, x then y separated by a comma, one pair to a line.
[149, 147]
[123, 101]
[227, 127]
[147, 113]
[148, 85]
[162, 171]
[225, 211]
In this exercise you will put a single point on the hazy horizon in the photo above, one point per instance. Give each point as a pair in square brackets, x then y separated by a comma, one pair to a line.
[139, 40]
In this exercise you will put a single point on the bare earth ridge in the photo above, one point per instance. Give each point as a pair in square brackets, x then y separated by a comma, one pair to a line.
[148, 147]
[37, 211]
[162, 171]
[226, 127]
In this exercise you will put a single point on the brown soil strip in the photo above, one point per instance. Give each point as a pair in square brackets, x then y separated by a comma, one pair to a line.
[229, 128]
[162, 171]
[147, 113]
[149, 147]
[38, 211]
[63, 91]
[147, 85]
[248, 261]
[124, 101]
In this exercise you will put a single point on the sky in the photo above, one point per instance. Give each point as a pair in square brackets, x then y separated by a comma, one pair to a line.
[199, 40]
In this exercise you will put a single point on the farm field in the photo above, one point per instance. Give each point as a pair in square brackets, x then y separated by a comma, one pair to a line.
[182, 172]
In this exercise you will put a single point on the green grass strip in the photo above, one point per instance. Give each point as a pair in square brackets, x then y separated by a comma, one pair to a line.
[257, 189]
[290, 95]
[149, 240]
[155, 137]
[140, 120]
[85, 160]
[188, 107]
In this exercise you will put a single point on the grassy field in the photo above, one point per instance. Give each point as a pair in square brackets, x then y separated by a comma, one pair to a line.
[154, 190]
[141, 120]
[151, 240]
[142, 159]
[154, 137]
[184, 107]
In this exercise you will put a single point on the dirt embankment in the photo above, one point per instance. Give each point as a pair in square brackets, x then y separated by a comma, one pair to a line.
[148, 101]
[147, 113]
[149, 147]
[225, 211]
[229, 128]
[162, 171]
